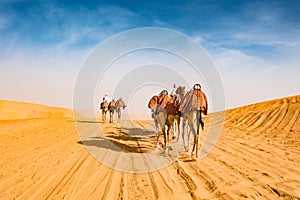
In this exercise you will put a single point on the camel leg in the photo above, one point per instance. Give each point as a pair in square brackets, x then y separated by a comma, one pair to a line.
[103, 116]
[111, 116]
[157, 130]
[165, 137]
[184, 134]
[188, 134]
[173, 129]
[171, 124]
[197, 139]
[191, 122]
[199, 130]
[178, 128]
[119, 114]
[168, 138]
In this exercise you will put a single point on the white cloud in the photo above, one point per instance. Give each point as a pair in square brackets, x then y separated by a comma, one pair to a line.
[266, 39]
[233, 60]
[117, 17]
[198, 38]
[160, 23]
[41, 77]
[41, 72]
[248, 79]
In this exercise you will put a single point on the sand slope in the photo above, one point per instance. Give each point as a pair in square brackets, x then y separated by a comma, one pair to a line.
[11, 110]
[256, 157]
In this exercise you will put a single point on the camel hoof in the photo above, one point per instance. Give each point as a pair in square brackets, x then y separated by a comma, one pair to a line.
[157, 146]
[163, 150]
[194, 157]
[186, 149]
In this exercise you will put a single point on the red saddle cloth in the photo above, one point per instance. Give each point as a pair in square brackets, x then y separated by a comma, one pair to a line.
[153, 102]
[172, 107]
[158, 103]
[194, 100]
[112, 104]
[104, 104]
[120, 103]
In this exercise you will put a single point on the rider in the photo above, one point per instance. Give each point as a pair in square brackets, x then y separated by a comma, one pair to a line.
[106, 98]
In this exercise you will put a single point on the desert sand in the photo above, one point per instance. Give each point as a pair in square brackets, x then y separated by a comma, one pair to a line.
[256, 157]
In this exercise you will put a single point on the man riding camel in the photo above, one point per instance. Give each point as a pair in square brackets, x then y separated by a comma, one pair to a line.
[106, 98]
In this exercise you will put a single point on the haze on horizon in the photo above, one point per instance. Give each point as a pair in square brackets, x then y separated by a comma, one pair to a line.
[254, 45]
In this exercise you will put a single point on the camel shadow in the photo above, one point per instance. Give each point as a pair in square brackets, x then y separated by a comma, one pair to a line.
[86, 121]
[127, 142]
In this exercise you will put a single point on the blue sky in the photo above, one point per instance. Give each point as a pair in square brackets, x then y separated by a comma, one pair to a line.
[254, 44]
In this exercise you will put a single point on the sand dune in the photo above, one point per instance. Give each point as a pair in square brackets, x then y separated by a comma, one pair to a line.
[256, 157]
[11, 110]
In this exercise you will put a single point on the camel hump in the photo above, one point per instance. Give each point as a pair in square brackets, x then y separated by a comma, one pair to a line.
[120, 103]
[104, 104]
[112, 104]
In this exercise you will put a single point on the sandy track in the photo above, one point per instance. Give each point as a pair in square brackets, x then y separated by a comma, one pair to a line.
[256, 157]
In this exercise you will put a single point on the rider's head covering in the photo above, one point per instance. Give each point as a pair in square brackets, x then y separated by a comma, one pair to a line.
[197, 86]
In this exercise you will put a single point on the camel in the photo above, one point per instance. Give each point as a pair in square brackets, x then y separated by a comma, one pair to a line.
[104, 108]
[192, 108]
[111, 108]
[120, 105]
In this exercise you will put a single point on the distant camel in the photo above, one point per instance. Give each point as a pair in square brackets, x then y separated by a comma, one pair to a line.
[120, 105]
[111, 108]
[104, 108]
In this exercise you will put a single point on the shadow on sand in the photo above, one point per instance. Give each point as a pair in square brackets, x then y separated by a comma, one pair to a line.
[87, 121]
[134, 140]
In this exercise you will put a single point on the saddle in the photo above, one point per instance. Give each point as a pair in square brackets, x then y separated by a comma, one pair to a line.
[158, 103]
[172, 107]
[153, 102]
[112, 104]
[194, 100]
[103, 105]
[120, 103]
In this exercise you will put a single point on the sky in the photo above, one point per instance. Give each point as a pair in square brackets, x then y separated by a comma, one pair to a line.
[255, 45]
